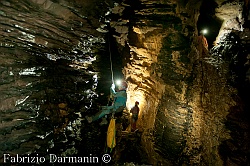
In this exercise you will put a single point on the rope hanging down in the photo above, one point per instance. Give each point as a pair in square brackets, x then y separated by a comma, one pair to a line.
[111, 65]
[111, 142]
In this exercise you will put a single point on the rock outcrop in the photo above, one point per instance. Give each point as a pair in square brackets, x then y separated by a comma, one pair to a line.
[186, 96]
[194, 99]
[51, 60]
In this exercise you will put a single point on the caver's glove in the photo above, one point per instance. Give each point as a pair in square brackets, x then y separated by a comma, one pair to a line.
[113, 86]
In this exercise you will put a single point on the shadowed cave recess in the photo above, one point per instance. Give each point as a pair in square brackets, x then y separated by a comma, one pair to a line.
[55, 69]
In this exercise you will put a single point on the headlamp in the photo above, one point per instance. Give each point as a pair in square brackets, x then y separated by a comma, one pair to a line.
[204, 31]
[118, 82]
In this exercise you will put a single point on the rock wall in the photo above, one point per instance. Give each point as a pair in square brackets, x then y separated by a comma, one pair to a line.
[51, 57]
[193, 104]
[185, 95]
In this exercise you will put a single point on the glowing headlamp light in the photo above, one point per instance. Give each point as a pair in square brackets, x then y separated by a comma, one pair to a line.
[118, 82]
[204, 31]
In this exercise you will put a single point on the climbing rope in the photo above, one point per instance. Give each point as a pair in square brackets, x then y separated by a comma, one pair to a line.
[111, 133]
[111, 65]
[111, 97]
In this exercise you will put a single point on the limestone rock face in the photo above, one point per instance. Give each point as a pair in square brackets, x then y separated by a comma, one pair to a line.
[186, 97]
[194, 101]
[49, 51]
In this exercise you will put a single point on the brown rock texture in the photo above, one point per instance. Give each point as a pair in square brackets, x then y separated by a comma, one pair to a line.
[185, 96]
[194, 98]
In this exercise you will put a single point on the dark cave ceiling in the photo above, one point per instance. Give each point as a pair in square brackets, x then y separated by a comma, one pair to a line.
[54, 29]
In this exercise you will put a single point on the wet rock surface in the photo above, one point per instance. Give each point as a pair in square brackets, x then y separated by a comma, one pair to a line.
[52, 54]
[55, 69]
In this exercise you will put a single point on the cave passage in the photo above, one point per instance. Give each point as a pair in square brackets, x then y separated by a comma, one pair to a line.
[208, 21]
[57, 59]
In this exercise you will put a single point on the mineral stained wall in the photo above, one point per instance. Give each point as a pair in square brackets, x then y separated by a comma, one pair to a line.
[186, 92]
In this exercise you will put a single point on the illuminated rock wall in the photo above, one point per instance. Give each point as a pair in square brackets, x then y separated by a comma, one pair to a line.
[55, 69]
[184, 95]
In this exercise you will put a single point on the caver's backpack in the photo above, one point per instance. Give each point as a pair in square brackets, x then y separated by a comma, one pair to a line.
[111, 134]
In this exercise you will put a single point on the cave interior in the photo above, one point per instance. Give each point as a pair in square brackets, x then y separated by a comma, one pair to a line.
[59, 58]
